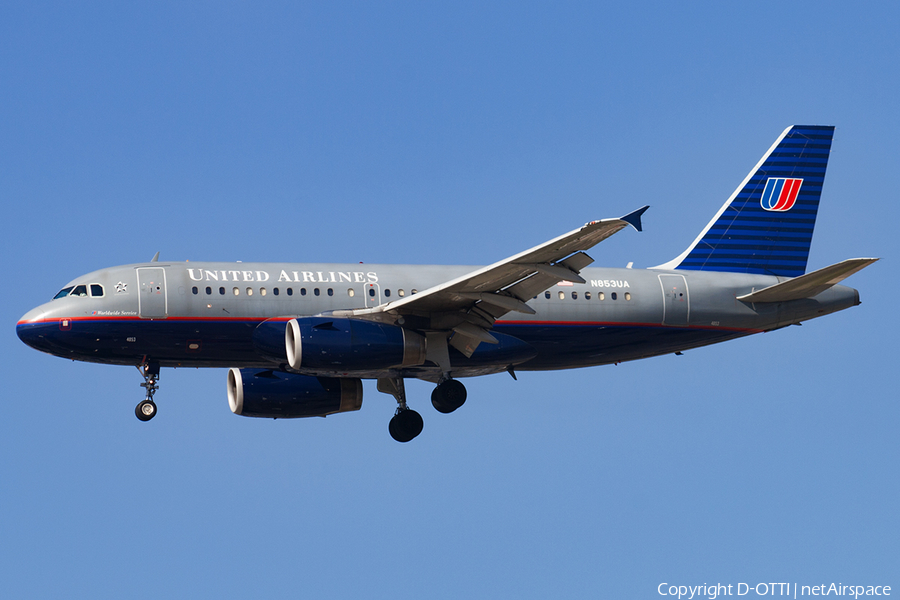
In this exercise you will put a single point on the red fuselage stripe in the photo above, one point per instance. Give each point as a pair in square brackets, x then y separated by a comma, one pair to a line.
[499, 323]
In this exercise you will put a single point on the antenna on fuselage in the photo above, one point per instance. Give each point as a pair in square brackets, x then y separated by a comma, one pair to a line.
[155, 258]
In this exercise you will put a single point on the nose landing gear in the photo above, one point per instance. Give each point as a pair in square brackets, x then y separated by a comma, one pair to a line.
[146, 408]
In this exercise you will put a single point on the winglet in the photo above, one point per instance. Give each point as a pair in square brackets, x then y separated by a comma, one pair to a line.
[155, 258]
[634, 218]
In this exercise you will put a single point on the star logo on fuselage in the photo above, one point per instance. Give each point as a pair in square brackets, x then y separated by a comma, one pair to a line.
[121, 288]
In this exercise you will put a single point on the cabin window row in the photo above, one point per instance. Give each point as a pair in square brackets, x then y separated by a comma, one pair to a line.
[249, 291]
[587, 295]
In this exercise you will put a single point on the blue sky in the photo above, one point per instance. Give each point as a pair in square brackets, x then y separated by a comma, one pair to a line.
[459, 134]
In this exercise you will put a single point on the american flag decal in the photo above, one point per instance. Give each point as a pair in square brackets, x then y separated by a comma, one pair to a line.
[780, 194]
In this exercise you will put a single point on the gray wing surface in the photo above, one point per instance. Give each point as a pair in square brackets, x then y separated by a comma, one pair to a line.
[469, 305]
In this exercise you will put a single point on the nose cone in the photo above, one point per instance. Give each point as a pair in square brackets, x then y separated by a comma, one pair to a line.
[31, 328]
[35, 314]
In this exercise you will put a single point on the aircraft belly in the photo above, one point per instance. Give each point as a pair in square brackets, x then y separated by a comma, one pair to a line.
[569, 346]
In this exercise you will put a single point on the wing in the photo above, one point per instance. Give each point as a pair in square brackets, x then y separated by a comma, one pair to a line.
[469, 305]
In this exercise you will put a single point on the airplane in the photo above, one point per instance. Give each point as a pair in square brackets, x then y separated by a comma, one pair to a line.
[299, 338]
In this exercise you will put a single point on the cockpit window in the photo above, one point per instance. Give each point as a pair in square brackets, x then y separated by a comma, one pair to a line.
[81, 290]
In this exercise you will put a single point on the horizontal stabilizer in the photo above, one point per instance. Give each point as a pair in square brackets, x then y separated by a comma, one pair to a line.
[809, 285]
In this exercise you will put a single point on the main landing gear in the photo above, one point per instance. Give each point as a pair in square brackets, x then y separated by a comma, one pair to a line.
[146, 408]
[448, 396]
[406, 423]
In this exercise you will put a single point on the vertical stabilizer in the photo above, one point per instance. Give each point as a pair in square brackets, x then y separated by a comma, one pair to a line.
[766, 226]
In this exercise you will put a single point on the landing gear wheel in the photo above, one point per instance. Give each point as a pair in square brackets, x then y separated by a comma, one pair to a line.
[405, 425]
[448, 396]
[145, 410]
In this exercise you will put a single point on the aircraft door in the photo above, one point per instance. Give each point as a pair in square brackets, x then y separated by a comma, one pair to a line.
[372, 292]
[152, 302]
[676, 302]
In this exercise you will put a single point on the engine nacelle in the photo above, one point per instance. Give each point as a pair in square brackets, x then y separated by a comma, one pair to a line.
[350, 344]
[279, 395]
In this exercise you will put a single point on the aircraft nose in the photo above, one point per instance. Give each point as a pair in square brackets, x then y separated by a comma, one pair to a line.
[29, 329]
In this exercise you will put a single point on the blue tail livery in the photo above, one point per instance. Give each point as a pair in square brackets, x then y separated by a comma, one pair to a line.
[766, 226]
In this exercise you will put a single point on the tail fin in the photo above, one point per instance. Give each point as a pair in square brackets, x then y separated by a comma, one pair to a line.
[766, 226]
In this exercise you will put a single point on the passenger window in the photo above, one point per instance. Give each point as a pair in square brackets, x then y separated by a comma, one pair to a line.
[237, 291]
[387, 293]
[547, 295]
[587, 295]
[262, 291]
[415, 291]
[350, 292]
[80, 290]
[194, 290]
[275, 291]
[249, 291]
[316, 291]
[614, 296]
[372, 292]
[601, 296]
[96, 290]
[221, 291]
[562, 295]
[290, 291]
[330, 292]
[62, 293]
[302, 291]
[401, 293]
[628, 295]
[574, 295]
[208, 290]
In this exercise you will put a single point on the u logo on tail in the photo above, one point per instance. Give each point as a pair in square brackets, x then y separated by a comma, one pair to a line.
[780, 194]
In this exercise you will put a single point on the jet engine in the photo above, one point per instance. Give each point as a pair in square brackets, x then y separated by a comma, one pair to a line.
[338, 343]
[279, 395]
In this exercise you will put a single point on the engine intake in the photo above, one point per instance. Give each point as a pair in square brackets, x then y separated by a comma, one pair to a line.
[350, 344]
[279, 395]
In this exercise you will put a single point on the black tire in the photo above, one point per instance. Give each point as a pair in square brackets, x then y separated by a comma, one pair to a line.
[145, 410]
[406, 425]
[448, 396]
